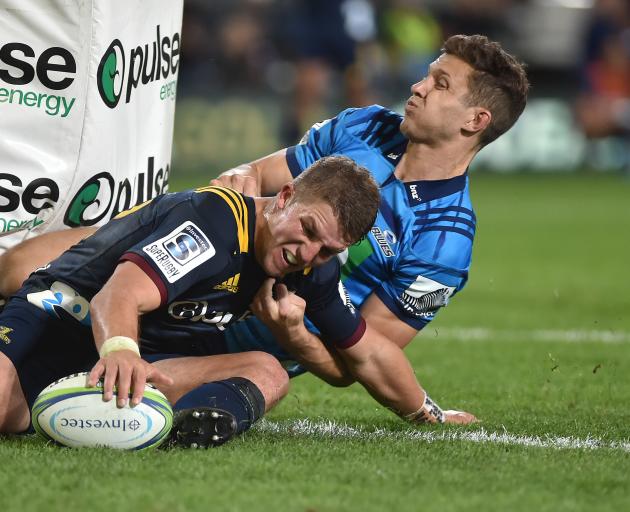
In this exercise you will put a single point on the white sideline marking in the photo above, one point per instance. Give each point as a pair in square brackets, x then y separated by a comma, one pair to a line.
[308, 428]
[483, 333]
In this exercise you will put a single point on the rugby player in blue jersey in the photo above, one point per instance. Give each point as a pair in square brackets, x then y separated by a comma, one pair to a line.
[149, 295]
[418, 253]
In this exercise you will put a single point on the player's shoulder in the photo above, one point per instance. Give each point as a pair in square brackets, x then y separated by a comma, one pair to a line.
[214, 204]
[218, 197]
[358, 116]
[226, 211]
[376, 126]
[314, 278]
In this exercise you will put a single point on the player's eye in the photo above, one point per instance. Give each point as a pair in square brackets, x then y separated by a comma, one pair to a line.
[308, 230]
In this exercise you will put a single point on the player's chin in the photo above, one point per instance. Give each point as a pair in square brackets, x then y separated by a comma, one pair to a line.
[273, 269]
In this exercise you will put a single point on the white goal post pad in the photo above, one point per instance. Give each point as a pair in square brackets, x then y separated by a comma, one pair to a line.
[87, 104]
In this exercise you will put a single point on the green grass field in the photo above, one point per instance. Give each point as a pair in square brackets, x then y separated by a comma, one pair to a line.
[537, 346]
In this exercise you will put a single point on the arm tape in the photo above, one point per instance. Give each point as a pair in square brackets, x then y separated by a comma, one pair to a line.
[430, 412]
[116, 343]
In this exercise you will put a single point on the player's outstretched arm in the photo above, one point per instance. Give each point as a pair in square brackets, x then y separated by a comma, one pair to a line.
[262, 177]
[382, 368]
[115, 312]
[383, 321]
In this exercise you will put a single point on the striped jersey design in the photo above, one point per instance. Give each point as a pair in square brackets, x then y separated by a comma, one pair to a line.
[237, 204]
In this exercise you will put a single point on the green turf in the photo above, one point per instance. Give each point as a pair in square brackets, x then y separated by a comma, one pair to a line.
[551, 253]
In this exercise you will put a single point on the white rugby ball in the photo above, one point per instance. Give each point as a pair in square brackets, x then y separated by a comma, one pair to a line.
[74, 415]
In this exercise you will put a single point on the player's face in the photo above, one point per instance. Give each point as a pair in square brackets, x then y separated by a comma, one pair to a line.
[299, 235]
[437, 112]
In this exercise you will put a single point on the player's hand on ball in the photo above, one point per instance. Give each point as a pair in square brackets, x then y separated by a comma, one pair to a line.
[246, 185]
[459, 417]
[128, 371]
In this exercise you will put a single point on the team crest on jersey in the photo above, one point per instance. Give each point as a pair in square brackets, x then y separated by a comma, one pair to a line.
[231, 285]
[179, 252]
[382, 241]
[4, 334]
[425, 296]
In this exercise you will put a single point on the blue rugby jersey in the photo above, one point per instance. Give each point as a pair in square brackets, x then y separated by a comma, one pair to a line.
[198, 249]
[419, 250]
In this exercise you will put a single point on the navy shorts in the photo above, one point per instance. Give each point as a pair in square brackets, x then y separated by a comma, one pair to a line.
[43, 348]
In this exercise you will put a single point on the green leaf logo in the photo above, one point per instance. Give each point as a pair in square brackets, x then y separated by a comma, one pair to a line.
[110, 74]
[91, 203]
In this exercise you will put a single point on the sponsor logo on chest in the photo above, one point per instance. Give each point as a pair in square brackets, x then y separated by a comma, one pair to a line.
[382, 241]
[230, 285]
[4, 334]
[414, 194]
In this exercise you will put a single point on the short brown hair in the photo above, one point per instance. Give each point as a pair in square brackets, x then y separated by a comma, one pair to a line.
[348, 188]
[498, 82]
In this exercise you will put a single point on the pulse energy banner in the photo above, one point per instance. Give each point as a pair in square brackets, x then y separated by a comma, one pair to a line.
[87, 104]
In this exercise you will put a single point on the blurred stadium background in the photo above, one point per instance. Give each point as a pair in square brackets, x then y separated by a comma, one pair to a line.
[255, 74]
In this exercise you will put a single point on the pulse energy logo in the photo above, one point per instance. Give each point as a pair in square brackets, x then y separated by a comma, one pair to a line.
[120, 73]
[101, 195]
[54, 68]
[111, 71]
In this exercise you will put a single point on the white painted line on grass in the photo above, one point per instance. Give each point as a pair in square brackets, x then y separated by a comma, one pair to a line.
[331, 429]
[484, 333]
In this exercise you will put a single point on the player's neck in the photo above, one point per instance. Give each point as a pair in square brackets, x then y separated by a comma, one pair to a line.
[261, 219]
[260, 225]
[423, 162]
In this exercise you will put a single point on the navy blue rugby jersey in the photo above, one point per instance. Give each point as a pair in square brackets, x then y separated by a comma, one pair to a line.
[198, 249]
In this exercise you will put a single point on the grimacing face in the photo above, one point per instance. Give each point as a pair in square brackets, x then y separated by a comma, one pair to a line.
[437, 112]
[298, 235]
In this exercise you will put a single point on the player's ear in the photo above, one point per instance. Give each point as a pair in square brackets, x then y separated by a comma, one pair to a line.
[478, 120]
[284, 196]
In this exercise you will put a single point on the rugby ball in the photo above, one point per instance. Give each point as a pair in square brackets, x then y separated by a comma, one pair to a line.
[74, 415]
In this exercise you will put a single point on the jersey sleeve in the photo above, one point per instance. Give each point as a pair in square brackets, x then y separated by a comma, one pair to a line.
[417, 290]
[192, 242]
[329, 308]
[322, 139]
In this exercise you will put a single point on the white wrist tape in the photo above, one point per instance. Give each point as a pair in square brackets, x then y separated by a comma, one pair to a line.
[118, 343]
[430, 412]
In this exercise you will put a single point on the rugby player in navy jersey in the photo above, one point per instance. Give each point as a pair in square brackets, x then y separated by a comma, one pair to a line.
[418, 253]
[163, 281]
